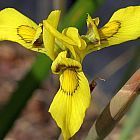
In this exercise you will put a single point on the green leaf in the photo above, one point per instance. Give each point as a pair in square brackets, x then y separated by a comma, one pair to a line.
[21, 95]
[132, 121]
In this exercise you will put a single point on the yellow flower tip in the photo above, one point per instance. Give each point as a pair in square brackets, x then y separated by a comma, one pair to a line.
[92, 21]
[7, 10]
[56, 12]
[96, 21]
[54, 17]
[92, 34]
[48, 38]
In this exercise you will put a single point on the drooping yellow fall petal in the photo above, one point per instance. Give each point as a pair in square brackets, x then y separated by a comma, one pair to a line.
[48, 38]
[123, 26]
[71, 101]
[16, 27]
[73, 98]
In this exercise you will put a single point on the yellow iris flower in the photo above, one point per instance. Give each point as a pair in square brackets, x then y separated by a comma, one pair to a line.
[67, 50]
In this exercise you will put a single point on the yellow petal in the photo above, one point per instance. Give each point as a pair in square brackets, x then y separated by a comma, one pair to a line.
[62, 62]
[37, 42]
[48, 38]
[123, 26]
[73, 34]
[57, 34]
[76, 50]
[92, 34]
[16, 27]
[71, 101]
[61, 38]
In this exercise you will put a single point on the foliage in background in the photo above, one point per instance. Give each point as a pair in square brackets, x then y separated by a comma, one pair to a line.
[132, 121]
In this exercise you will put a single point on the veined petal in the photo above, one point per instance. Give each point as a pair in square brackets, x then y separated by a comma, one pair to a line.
[16, 27]
[71, 101]
[48, 38]
[123, 26]
[62, 62]
[37, 42]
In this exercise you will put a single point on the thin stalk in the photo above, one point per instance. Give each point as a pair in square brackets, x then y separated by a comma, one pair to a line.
[115, 109]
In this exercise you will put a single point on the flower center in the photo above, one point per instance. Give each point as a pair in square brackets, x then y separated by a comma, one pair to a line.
[62, 63]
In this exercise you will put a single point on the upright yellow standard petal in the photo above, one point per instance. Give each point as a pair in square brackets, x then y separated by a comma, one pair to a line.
[48, 38]
[71, 101]
[73, 34]
[76, 50]
[61, 38]
[92, 34]
[16, 27]
[57, 34]
[123, 26]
